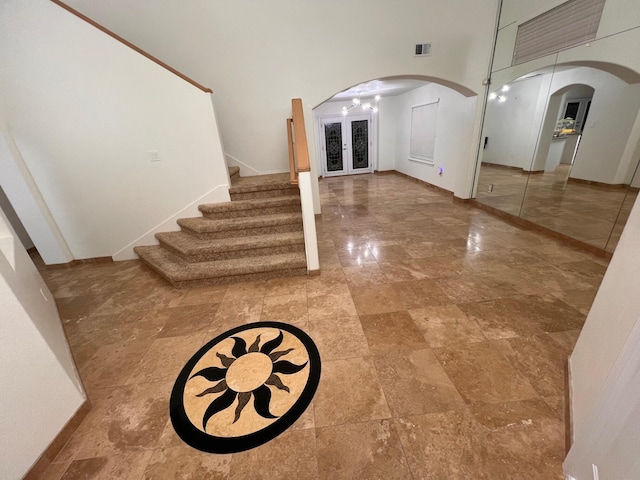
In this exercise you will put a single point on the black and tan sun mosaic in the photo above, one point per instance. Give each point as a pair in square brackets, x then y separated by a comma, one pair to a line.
[245, 387]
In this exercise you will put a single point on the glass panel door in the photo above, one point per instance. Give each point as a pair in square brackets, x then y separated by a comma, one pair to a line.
[346, 145]
[333, 146]
[360, 145]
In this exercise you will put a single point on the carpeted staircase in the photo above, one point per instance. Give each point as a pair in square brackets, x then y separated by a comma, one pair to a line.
[256, 236]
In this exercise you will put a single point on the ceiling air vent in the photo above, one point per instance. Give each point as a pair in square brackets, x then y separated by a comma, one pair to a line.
[423, 49]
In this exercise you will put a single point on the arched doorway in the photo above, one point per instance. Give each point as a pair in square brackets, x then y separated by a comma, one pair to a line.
[419, 125]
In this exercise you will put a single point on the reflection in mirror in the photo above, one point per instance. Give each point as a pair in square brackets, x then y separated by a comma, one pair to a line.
[559, 151]
[510, 133]
[625, 210]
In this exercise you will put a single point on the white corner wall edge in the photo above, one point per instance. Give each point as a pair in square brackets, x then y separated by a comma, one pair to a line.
[247, 170]
[219, 194]
[41, 386]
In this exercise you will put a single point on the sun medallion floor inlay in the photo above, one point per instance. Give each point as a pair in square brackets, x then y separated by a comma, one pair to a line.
[245, 387]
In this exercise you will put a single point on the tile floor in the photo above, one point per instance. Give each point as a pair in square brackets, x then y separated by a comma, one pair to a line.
[443, 333]
[594, 214]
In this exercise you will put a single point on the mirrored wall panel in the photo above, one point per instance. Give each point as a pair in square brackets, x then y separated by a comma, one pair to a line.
[561, 144]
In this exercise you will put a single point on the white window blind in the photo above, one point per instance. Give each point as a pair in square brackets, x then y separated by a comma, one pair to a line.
[567, 25]
[423, 132]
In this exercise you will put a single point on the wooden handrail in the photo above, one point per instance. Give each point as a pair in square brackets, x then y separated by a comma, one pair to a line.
[302, 150]
[130, 45]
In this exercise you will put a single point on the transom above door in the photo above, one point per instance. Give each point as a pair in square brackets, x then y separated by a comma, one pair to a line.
[346, 145]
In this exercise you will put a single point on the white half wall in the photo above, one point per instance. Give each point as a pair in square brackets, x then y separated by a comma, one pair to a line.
[41, 390]
[115, 143]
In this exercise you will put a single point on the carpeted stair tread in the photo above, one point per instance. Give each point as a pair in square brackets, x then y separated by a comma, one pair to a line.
[234, 172]
[187, 246]
[177, 270]
[207, 225]
[269, 180]
[257, 203]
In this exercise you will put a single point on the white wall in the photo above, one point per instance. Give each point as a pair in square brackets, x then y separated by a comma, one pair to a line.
[84, 111]
[256, 56]
[454, 133]
[40, 387]
[14, 220]
[388, 132]
[26, 199]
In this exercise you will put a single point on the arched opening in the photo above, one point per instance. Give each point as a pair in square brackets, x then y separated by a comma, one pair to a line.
[418, 125]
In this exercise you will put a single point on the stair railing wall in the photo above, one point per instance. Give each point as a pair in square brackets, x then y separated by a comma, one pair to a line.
[300, 171]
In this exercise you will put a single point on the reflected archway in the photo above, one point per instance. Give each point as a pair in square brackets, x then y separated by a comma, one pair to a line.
[560, 148]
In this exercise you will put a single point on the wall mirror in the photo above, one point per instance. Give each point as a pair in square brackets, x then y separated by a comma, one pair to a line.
[561, 145]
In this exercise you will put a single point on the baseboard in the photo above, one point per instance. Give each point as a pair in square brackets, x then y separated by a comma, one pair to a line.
[247, 170]
[81, 261]
[58, 443]
[314, 273]
[427, 184]
[505, 167]
[529, 225]
[612, 186]
[218, 195]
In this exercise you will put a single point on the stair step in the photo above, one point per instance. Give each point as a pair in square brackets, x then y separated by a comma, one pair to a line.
[257, 187]
[185, 274]
[206, 228]
[193, 249]
[252, 207]
[234, 173]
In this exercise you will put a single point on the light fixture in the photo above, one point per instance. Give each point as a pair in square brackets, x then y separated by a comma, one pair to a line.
[357, 102]
[492, 95]
[505, 88]
[502, 98]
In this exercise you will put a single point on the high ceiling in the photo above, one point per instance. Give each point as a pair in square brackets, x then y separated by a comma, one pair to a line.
[384, 88]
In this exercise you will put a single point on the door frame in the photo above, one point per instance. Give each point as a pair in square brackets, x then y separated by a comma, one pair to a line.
[373, 138]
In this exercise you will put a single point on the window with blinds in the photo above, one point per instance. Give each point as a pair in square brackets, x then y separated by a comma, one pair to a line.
[567, 25]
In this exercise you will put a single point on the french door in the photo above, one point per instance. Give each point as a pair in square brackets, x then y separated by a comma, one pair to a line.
[346, 145]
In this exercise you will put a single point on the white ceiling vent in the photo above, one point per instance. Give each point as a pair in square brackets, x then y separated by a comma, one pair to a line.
[423, 49]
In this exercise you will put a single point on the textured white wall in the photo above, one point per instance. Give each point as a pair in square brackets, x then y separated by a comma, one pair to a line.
[40, 387]
[84, 111]
[256, 56]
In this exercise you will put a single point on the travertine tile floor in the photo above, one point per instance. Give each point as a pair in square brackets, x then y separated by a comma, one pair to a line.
[594, 214]
[443, 333]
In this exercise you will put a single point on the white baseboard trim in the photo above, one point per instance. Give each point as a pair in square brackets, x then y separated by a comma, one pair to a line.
[219, 194]
[246, 170]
